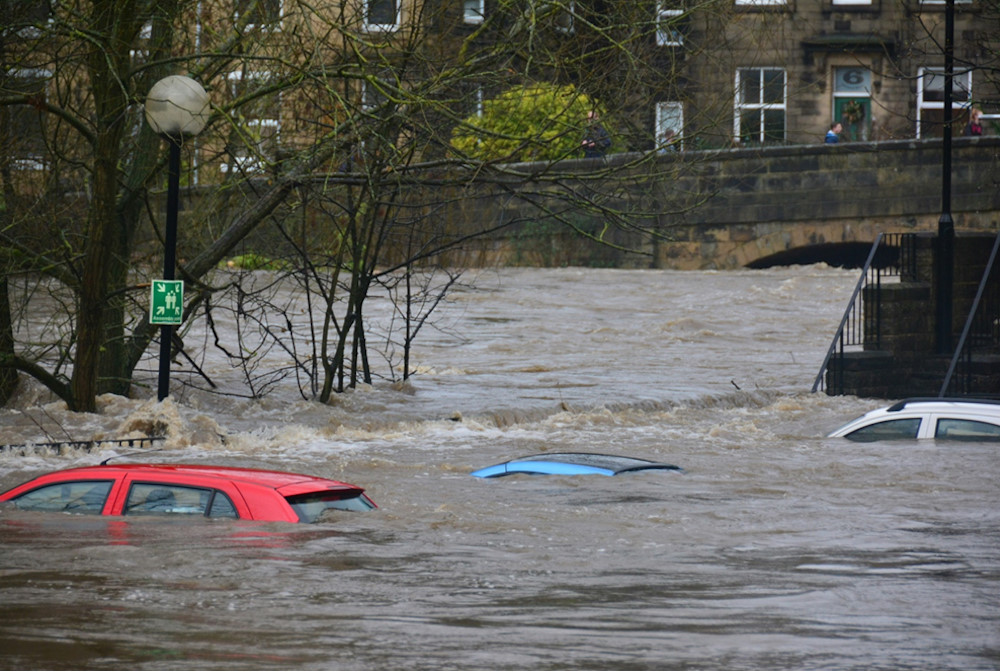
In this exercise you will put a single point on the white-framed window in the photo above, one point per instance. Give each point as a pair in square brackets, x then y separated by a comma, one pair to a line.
[473, 11]
[930, 96]
[561, 13]
[668, 32]
[477, 100]
[760, 3]
[141, 53]
[759, 116]
[254, 141]
[25, 18]
[260, 14]
[371, 96]
[669, 126]
[25, 131]
[942, 2]
[381, 15]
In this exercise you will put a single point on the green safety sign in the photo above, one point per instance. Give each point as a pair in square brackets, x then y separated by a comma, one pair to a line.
[166, 302]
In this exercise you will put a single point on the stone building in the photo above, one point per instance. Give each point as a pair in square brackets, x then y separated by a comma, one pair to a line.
[699, 75]
[752, 72]
[786, 70]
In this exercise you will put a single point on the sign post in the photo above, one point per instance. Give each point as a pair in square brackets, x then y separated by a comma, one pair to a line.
[166, 302]
[177, 107]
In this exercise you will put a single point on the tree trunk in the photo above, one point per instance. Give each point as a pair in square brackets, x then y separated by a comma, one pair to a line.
[108, 59]
[8, 374]
[95, 278]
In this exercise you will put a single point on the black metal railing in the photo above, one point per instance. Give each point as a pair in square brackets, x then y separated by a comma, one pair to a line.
[891, 255]
[87, 446]
[981, 334]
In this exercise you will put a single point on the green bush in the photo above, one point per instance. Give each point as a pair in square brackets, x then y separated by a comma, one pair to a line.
[252, 261]
[540, 122]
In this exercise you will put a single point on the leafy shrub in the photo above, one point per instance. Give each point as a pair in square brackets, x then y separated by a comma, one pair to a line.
[539, 122]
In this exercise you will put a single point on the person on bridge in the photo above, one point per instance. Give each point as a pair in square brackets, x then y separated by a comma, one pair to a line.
[595, 140]
[975, 125]
[833, 135]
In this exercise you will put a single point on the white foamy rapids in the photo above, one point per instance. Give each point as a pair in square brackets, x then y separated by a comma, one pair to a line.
[570, 357]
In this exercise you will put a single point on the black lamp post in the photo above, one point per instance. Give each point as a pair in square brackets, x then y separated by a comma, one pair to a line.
[176, 108]
[946, 226]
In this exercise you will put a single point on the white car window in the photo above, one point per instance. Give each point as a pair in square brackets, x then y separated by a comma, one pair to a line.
[955, 429]
[904, 428]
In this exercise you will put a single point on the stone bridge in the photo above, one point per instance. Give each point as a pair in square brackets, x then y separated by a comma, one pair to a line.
[710, 209]
[757, 207]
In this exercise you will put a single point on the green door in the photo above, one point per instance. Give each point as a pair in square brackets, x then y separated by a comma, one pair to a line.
[852, 101]
[855, 114]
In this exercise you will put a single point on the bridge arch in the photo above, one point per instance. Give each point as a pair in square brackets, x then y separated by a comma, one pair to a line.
[843, 244]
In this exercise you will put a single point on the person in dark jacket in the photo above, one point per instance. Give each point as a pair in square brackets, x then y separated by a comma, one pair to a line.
[596, 140]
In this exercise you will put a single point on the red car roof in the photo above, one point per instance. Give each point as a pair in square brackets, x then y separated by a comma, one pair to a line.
[260, 493]
[279, 480]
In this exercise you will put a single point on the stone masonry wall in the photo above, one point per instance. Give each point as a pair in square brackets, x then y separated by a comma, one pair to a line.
[765, 202]
[701, 209]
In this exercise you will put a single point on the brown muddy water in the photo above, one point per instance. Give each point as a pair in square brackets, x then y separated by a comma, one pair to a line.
[776, 548]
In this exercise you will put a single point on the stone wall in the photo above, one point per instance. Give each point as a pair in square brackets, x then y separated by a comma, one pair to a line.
[727, 209]
[768, 201]
[686, 210]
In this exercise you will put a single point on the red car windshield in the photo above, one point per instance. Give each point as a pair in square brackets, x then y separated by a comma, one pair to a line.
[70, 496]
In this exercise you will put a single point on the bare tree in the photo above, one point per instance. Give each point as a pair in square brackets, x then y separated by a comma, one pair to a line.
[330, 153]
[361, 114]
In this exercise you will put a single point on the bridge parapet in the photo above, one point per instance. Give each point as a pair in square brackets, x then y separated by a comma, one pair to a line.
[722, 209]
[715, 209]
[765, 202]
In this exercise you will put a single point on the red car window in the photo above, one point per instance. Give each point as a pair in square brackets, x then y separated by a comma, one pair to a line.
[154, 499]
[71, 496]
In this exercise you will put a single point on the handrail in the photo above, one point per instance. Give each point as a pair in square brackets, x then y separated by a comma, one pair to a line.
[85, 445]
[983, 282]
[838, 336]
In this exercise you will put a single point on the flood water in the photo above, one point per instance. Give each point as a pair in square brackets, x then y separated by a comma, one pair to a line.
[776, 548]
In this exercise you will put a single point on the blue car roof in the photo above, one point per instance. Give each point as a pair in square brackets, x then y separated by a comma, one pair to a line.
[572, 464]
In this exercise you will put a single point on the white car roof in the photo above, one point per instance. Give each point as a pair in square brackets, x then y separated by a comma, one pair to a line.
[908, 408]
[989, 406]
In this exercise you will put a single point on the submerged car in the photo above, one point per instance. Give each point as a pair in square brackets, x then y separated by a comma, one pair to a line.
[188, 490]
[939, 418]
[572, 464]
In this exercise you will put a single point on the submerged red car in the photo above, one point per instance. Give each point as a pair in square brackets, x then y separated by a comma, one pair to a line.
[188, 490]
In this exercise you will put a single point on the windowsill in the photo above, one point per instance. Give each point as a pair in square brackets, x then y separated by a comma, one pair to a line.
[939, 5]
[248, 167]
[873, 7]
[262, 28]
[29, 163]
[765, 7]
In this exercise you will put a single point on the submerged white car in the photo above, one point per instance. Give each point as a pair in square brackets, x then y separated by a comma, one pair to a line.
[939, 418]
